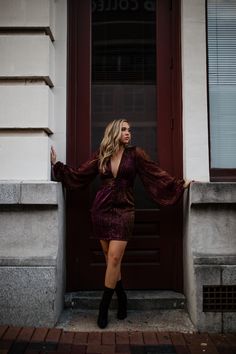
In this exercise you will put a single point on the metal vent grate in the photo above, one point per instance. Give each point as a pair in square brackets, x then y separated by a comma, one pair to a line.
[219, 298]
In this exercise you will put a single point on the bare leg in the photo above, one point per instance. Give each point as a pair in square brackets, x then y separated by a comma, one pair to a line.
[115, 254]
[105, 248]
[113, 251]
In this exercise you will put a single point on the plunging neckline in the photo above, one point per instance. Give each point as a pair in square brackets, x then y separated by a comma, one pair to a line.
[118, 168]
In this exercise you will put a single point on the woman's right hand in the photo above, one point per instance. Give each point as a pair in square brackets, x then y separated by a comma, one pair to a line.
[53, 156]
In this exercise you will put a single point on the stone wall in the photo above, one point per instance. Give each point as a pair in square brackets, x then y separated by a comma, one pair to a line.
[33, 36]
[32, 247]
[210, 251]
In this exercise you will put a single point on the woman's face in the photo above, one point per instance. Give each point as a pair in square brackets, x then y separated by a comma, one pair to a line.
[125, 133]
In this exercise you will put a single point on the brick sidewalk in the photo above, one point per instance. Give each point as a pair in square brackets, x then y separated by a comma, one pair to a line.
[16, 340]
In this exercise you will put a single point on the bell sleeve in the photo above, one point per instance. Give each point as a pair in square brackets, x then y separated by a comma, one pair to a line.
[73, 178]
[162, 187]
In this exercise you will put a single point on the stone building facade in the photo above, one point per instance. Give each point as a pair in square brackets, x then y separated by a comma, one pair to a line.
[33, 116]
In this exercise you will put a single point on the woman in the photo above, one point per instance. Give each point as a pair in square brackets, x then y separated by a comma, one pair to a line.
[113, 208]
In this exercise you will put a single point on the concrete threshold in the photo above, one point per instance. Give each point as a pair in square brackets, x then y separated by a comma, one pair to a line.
[155, 320]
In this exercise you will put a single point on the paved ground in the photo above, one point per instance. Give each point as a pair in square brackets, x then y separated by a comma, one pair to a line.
[15, 340]
[143, 332]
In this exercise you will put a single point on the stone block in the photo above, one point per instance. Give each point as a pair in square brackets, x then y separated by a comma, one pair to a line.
[206, 275]
[229, 322]
[27, 14]
[229, 274]
[213, 229]
[209, 322]
[9, 193]
[216, 193]
[215, 259]
[26, 107]
[29, 235]
[24, 156]
[27, 56]
[28, 296]
[39, 193]
[193, 11]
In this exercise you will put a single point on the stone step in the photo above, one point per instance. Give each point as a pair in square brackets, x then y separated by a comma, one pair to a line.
[137, 300]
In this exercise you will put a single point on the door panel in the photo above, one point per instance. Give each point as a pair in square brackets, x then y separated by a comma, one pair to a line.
[106, 85]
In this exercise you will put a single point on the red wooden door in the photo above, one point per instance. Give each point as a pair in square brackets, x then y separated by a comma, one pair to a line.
[153, 259]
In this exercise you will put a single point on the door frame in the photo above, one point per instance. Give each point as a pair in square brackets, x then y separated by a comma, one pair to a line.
[171, 126]
[79, 99]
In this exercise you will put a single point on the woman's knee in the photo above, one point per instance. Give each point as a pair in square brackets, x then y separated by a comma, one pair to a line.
[115, 252]
[114, 259]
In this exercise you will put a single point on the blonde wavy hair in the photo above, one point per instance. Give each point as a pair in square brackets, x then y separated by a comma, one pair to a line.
[110, 143]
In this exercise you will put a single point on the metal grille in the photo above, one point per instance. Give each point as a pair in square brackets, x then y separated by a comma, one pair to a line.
[219, 298]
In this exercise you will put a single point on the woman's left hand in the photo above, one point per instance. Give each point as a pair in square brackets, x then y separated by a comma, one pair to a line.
[187, 183]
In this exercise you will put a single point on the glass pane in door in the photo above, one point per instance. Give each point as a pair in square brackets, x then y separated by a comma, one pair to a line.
[124, 72]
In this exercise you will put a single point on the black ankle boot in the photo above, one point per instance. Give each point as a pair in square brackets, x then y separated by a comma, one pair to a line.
[122, 301]
[104, 306]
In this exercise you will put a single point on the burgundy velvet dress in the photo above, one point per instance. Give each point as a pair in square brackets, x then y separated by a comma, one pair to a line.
[113, 207]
